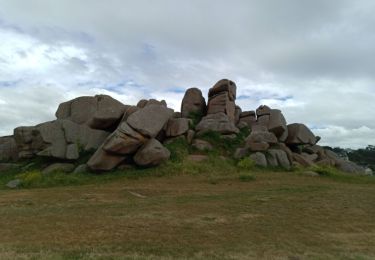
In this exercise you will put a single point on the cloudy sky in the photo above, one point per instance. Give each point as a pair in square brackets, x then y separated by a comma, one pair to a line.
[314, 60]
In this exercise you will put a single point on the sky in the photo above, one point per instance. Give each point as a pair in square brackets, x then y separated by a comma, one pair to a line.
[314, 60]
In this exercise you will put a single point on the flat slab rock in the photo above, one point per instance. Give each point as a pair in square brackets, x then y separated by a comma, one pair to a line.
[150, 120]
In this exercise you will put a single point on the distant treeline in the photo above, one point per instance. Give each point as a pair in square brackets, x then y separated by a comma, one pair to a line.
[363, 156]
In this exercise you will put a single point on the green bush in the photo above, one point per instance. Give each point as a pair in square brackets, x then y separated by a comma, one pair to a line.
[246, 164]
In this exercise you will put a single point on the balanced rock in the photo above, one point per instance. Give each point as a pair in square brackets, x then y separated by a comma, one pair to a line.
[151, 154]
[218, 122]
[277, 125]
[193, 103]
[150, 120]
[221, 99]
[263, 110]
[222, 103]
[224, 85]
[300, 134]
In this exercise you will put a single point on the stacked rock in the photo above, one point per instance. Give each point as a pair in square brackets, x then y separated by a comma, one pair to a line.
[135, 138]
[221, 110]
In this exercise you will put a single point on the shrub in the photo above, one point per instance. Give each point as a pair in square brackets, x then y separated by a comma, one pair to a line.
[246, 164]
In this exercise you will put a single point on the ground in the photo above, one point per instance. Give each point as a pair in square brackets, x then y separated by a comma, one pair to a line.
[279, 215]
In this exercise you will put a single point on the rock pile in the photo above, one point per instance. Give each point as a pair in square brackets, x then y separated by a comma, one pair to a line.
[121, 134]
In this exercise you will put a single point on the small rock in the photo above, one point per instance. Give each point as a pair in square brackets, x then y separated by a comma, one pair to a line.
[310, 173]
[202, 145]
[14, 183]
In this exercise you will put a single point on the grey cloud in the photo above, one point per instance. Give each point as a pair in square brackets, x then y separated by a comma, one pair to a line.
[312, 59]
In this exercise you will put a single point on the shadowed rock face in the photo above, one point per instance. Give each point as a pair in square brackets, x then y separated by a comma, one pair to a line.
[8, 148]
[60, 139]
[135, 134]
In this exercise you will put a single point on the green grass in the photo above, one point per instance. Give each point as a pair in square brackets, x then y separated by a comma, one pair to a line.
[225, 146]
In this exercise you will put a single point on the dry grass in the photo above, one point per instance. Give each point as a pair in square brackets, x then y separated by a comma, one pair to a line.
[278, 216]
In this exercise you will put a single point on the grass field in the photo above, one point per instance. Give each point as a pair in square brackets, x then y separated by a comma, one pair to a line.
[279, 215]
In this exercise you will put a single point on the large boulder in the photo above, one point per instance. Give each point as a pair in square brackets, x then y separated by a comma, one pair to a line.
[193, 102]
[100, 112]
[150, 120]
[261, 134]
[247, 118]
[218, 123]
[151, 154]
[224, 85]
[259, 159]
[222, 103]
[8, 149]
[123, 141]
[276, 157]
[177, 126]
[300, 134]
[221, 99]
[104, 161]
[263, 110]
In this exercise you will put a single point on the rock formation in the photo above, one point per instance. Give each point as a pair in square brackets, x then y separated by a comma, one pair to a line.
[118, 133]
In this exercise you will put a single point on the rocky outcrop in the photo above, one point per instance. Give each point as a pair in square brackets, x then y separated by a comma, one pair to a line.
[222, 115]
[123, 135]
